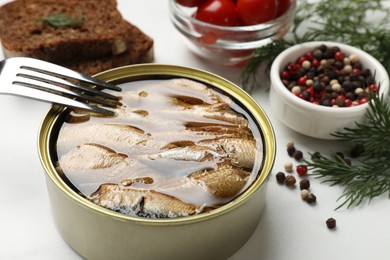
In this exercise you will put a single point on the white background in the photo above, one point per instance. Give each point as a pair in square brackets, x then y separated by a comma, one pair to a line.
[289, 228]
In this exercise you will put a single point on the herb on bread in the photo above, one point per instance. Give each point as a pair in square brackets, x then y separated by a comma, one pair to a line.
[61, 21]
[349, 22]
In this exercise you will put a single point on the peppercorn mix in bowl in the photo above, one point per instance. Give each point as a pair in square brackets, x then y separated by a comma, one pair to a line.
[226, 32]
[318, 88]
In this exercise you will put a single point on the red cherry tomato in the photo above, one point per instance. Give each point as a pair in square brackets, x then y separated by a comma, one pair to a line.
[283, 6]
[218, 12]
[251, 12]
[190, 3]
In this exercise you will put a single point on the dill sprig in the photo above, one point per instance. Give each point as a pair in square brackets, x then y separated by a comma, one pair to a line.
[360, 23]
[369, 177]
[60, 20]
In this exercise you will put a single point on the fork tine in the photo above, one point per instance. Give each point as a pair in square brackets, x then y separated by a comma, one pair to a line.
[28, 91]
[44, 86]
[55, 80]
[56, 70]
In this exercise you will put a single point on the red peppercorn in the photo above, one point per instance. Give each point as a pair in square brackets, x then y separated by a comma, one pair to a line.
[315, 63]
[357, 71]
[348, 102]
[363, 100]
[301, 59]
[311, 91]
[291, 67]
[302, 170]
[285, 75]
[373, 87]
[309, 55]
[302, 81]
[297, 66]
[339, 56]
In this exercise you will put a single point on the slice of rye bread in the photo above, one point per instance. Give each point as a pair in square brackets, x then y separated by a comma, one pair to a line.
[102, 32]
[140, 50]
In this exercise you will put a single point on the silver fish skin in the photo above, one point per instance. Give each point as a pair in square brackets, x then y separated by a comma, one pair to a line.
[241, 152]
[193, 88]
[142, 202]
[224, 181]
[91, 156]
[187, 153]
[220, 112]
[110, 135]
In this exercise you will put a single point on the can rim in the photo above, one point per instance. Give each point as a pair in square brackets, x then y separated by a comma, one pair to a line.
[145, 70]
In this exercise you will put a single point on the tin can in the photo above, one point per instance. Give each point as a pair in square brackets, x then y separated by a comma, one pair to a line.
[98, 233]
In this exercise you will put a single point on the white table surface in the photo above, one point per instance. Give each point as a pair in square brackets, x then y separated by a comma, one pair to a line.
[289, 228]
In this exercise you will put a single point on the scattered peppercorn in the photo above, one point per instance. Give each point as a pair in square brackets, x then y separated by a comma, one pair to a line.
[288, 166]
[340, 154]
[298, 155]
[290, 144]
[304, 194]
[357, 151]
[311, 198]
[347, 161]
[315, 156]
[290, 148]
[290, 180]
[304, 184]
[290, 151]
[280, 177]
[331, 223]
[301, 170]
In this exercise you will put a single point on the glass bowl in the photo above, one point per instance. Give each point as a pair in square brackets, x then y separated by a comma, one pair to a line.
[227, 45]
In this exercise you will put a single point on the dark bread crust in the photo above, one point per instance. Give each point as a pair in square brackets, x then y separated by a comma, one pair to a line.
[140, 50]
[102, 32]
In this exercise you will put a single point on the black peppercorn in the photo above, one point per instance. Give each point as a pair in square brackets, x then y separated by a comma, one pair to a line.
[290, 150]
[280, 177]
[311, 198]
[347, 85]
[340, 154]
[323, 47]
[318, 86]
[347, 161]
[335, 48]
[304, 184]
[290, 180]
[326, 102]
[317, 54]
[331, 223]
[298, 155]
[316, 156]
[328, 54]
[357, 151]
[339, 102]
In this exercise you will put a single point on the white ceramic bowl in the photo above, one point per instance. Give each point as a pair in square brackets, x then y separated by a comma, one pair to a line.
[227, 45]
[317, 120]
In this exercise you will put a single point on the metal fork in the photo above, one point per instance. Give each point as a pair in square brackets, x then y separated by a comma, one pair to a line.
[41, 80]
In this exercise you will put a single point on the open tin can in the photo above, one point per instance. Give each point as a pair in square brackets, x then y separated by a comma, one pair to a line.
[95, 232]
